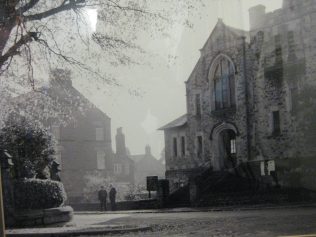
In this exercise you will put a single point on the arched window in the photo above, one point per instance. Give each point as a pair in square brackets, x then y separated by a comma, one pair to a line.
[224, 84]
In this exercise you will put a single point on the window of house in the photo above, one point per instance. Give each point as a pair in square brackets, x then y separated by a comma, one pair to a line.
[99, 134]
[276, 123]
[233, 146]
[294, 99]
[224, 84]
[175, 147]
[56, 131]
[198, 104]
[101, 160]
[277, 40]
[117, 168]
[183, 146]
[278, 48]
[199, 146]
[291, 44]
[127, 169]
[290, 38]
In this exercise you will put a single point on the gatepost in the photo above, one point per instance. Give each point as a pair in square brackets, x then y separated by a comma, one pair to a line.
[193, 191]
[5, 164]
[152, 184]
[163, 192]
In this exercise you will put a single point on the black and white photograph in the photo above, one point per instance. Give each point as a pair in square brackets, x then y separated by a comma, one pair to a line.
[158, 118]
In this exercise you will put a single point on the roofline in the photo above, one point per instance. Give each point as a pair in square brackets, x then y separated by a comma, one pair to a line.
[165, 127]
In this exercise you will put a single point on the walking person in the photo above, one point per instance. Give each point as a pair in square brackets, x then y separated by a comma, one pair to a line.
[112, 197]
[102, 198]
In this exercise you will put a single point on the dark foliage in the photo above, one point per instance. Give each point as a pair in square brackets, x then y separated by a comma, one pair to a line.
[30, 145]
[38, 194]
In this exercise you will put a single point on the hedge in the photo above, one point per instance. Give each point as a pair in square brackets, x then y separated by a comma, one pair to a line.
[38, 194]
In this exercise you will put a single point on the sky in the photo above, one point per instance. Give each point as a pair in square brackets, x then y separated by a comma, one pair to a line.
[161, 80]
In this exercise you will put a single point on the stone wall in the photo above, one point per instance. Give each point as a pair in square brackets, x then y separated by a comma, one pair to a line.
[127, 205]
[201, 82]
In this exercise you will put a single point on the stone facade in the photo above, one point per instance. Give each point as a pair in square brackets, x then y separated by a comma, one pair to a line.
[250, 99]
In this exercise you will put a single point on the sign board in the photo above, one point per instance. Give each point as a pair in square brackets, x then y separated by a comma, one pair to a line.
[266, 167]
[152, 183]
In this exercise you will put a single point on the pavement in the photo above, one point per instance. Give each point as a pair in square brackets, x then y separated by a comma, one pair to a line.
[82, 224]
[205, 209]
[281, 222]
[168, 222]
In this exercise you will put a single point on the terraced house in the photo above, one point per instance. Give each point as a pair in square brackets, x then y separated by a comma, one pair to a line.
[251, 102]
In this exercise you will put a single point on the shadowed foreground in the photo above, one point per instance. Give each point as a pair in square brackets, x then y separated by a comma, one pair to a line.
[269, 222]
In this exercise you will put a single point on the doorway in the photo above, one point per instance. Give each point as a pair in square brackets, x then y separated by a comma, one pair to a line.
[227, 149]
[224, 146]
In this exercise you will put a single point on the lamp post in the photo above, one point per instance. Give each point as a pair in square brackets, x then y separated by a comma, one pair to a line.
[5, 161]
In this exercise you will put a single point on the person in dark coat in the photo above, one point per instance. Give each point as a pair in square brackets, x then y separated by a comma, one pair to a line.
[112, 198]
[102, 198]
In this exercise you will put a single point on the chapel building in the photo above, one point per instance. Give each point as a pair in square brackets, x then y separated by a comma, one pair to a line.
[251, 100]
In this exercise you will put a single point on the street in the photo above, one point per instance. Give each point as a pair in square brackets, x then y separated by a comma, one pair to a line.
[268, 222]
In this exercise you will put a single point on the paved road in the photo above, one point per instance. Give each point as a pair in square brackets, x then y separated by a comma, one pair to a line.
[265, 223]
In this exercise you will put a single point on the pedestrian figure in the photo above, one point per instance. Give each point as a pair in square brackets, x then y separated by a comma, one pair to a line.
[112, 198]
[102, 198]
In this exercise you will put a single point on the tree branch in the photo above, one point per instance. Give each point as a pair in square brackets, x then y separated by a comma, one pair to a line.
[28, 6]
[14, 49]
[72, 5]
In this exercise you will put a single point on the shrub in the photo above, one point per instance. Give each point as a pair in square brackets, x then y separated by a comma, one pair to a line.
[38, 194]
[31, 147]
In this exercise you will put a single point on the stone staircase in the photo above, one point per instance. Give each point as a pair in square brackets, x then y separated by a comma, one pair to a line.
[227, 189]
[223, 188]
[179, 198]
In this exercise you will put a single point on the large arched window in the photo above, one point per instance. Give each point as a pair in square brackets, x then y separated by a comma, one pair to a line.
[224, 84]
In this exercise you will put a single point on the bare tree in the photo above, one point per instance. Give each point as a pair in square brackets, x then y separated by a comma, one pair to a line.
[27, 22]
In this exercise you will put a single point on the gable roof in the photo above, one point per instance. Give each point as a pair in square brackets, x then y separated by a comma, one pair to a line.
[220, 24]
[179, 122]
[59, 101]
[137, 158]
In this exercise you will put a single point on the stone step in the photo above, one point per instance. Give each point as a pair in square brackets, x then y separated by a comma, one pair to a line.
[243, 198]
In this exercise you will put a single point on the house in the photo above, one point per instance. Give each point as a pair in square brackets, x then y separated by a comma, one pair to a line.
[147, 165]
[82, 131]
[251, 100]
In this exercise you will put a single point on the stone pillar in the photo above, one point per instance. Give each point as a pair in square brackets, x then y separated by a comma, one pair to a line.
[193, 191]
[162, 192]
[8, 198]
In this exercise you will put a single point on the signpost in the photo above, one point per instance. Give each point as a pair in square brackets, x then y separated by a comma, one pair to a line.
[6, 160]
[152, 184]
[2, 224]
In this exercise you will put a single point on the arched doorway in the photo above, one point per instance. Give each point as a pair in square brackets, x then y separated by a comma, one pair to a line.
[224, 146]
[227, 149]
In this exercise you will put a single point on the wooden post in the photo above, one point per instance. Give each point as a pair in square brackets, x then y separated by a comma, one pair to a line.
[2, 223]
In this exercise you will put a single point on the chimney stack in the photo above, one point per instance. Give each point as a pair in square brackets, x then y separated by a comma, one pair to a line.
[147, 150]
[256, 16]
[60, 77]
[120, 143]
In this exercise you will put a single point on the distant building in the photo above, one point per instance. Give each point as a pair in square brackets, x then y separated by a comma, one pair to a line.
[147, 165]
[251, 99]
[123, 165]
